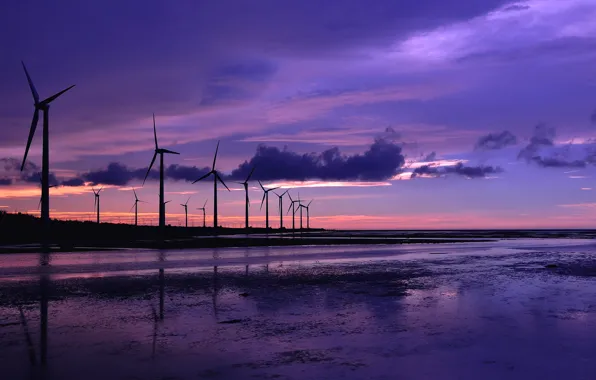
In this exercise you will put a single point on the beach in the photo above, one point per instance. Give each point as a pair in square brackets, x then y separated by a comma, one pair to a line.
[514, 308]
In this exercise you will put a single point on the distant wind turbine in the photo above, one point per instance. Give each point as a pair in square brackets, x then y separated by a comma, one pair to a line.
[245, 184]
[216, 178]
[161, 152]
[185, 205]
[44, 106]
[281, 208]
[96, 203]
[293, 208]
[307, 215]
[203, 209]
[266, 200]
[136, 206]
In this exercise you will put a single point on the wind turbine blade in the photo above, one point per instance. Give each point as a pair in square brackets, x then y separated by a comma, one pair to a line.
[187, 201]
[31, 134]
[309, 203]
[221, 180]
[260, 184]
[31, 86]
[250, 175]
[203, 177]
[289, 208]
[133, 206]
[284, 193]
[155, 132]
[169, 151]
[263, 200]
[215, 157]
[39, 206]
[182, 205]
[275, 188]
[205, 204]
[100, 189]
[136, 198]
[289, 195]
[53, 97]
[150, 166]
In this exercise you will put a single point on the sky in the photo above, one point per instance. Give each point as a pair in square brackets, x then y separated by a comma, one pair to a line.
[387, 114]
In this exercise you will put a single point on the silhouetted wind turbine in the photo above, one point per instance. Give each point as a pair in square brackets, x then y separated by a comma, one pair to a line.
[136, 206]
[96, 203]
[307, 215]
[266, 200]
[44, 106]
[216, 178]
[293, 208]
[160, 151]
[39, 206]
[203, 209]
[185, 205]
[245, 184]
[281, 208]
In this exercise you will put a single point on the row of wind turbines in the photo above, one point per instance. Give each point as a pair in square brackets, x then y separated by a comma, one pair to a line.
[44, 106]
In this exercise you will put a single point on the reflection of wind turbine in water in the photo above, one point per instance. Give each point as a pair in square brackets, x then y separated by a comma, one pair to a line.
[96, 203]
[136, 206]
[247, 205]
[214, 294]
[185, 205]
[43, 106]
[203, 209]
[281, 208]
[161, 152]
[216, 178]
[266, 200]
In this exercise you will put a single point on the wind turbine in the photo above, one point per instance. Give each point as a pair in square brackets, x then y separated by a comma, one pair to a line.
[96, 203]
[307, 215]
[203, 209]
[281, 208]
[39, 206]
[43, 106]
[293, 208]
[245, 184]
[216, 178]
[136, 206]
[266, 200]
[160, 151]
[185, 205]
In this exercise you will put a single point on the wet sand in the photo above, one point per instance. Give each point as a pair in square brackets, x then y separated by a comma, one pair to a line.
[477, 310]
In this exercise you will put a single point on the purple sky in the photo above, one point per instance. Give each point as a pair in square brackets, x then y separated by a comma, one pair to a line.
[502, 92]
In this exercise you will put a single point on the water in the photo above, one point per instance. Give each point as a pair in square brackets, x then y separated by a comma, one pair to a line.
[449, 311]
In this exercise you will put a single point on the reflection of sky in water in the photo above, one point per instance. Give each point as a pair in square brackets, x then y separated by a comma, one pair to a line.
[463, 316]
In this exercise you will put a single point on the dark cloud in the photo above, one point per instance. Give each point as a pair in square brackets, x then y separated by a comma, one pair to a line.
[117, 174]
[382, 160]
[541, 150]
[457, 169]
[31, 172]
[430, 157]
[185, 173]
[543, 136]
[495, 141]
[73, 182]
[5, 181]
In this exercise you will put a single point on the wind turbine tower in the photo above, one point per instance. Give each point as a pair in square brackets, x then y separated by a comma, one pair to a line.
[247, 205]
[161, 152]
[266, 200]
[96, 203]
[185, 205]
[203, 209]
[43, 106]
[216, 178]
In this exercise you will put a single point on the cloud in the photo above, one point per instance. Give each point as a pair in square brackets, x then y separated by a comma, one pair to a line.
[593, 117]
[495, 141]
[458, 169]
[543, 151]
[5, 181]
[382, 160]
[73, 182]
[430, 157]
